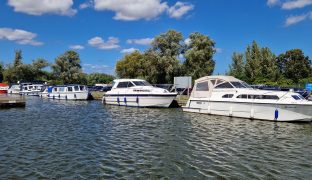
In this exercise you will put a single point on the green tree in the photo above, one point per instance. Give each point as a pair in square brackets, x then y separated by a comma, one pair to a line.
[294, 65]
[253, 60]
[38, 66]
[199, 56]
[131, 66]
[268, 68]
[164, 63]
[237, 68]
[95, 78]
[67, 68]
[1, 71]
[18, 58]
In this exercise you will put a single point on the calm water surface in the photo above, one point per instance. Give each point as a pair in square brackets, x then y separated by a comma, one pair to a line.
[86, 140]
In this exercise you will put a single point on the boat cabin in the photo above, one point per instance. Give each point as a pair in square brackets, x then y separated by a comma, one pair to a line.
[67, 88]
[126, 83]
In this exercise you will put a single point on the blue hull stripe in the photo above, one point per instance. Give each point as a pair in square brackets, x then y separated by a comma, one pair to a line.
[141, 95]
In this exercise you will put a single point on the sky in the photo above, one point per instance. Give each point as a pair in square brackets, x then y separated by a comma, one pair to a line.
[103, 31]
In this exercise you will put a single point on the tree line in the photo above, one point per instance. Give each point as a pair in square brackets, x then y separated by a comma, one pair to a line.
[65, 70]
[259, 65]
[169, 56]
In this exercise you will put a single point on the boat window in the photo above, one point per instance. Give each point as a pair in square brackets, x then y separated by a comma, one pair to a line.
[69, 88]
[219, 81]
[81, 88]
[55, 89]
[227, 96]
[256, 96]
[224, 85]
[25, 88]
[61, 89]
[202, 86]
[242, 96]
[125, 84]
[141, 83]
[213, 81]
[238, 84]
[76, 88]
[295, 97]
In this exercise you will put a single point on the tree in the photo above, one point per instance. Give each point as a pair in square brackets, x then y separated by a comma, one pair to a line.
[237, 68]
[130, 66]
[164, 63]
[67, 68]
[199, 56]
[253, 59]
[294, 65]
[18, 58]
[268, 67]
[38, 66]
[1, 72]
[95, 78]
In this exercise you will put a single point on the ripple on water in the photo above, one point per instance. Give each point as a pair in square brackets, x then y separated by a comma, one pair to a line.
[86, 140]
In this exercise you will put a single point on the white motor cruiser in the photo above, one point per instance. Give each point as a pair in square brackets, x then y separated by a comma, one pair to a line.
[228, 96]
[29, 89]
[137, 93]
[14, 89]
[66, 92]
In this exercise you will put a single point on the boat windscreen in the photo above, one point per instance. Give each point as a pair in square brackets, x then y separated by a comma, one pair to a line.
[238, 84]
[141, 83]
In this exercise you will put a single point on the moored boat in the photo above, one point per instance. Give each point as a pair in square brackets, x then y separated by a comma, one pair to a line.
[3, 88]
[66, 92]
[228, 96]
[30, 89]
[137, 93]
[14, 89]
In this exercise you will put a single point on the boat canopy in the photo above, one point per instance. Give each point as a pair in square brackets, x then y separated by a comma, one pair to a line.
[203, 86]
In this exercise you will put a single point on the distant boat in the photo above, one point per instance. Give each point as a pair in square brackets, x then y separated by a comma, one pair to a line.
[228, 96]
[30, 89]
[3, 88]
[137, 93]
[66, 92]
[14, 89]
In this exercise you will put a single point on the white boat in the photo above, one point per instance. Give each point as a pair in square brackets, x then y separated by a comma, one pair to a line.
[137, 93]
[29, 89]
[14, 89]
[66, 92]
[228, 96]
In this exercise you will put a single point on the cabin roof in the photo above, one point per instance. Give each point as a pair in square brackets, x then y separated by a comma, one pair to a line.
[225, 78]
[123, 80]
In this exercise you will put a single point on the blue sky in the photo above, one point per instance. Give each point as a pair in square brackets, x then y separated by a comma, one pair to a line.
[103, 30]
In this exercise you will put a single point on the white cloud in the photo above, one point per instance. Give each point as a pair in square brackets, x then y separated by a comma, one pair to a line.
[98, 42]
[179, 9]
[294, 4]
[128, 51]
[76, 47]
[273, 2]
[86, 4]
[143, 41]
[129, 10]
[19, 36]
[39, 7]
[187, 41]
[218, 50]
[296, 19]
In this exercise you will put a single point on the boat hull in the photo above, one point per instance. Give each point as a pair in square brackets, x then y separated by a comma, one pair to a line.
[139, 101]
[3, 91]
[261, 111]
[67, 96]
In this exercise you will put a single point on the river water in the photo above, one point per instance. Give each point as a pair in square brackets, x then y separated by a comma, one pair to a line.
[85, 140]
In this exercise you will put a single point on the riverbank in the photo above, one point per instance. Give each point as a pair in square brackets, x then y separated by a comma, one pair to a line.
[9, 102]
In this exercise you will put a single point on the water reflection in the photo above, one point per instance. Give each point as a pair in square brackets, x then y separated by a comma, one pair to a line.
[77, 140]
